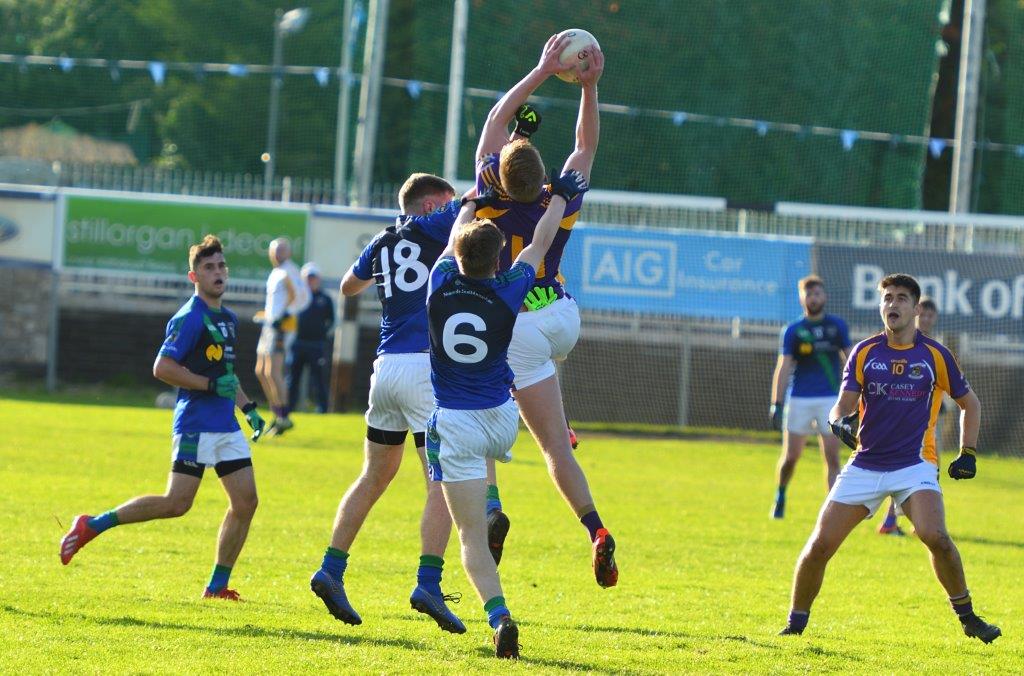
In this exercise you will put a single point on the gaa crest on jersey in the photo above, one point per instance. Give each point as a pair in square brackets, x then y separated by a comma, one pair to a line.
[214, 352]
[806, 348]
[916, 371]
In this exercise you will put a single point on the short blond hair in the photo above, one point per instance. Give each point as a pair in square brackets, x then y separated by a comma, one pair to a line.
[477, 246]
[521, 171]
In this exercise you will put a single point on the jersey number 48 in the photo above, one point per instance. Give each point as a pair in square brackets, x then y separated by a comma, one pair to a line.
[407, 258]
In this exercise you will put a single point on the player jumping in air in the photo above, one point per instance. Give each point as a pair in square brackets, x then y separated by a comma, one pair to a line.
[287, 296]
[198, 357]
[805, 385]
[926, 319]
[471, 311]
[548, 324]
[892, 389]
[398, 259]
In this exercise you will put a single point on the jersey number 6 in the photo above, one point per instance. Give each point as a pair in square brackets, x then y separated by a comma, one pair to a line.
[407, 257]
[474, 350]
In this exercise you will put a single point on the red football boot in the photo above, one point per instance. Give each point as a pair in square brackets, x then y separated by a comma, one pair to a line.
[225, 593]
[76, 538]
[605, 570]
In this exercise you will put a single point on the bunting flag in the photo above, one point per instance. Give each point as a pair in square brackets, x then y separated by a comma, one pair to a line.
[158, 70]
[414, 88]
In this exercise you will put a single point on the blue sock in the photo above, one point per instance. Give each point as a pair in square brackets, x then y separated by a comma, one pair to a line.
[103, 522]
[429, 574]
[496, 609]
[219, 578]
[890, 516]
[593, 523]
[780, 494]
[798, 620]
[493, 501]
[335, 563]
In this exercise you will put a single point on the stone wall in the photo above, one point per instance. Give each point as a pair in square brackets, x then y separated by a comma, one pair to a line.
[26, 304]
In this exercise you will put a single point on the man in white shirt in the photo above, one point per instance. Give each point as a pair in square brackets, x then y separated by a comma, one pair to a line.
[287, 296]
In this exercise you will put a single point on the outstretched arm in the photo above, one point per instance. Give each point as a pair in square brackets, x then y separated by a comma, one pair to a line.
[495, 131]
[563, 189]
[466, 214]
[588, 123]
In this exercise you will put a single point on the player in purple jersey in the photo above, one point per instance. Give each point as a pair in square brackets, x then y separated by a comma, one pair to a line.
[198, 357]
[926, 319]
[398, 261]
[892, 391]
[548, 324]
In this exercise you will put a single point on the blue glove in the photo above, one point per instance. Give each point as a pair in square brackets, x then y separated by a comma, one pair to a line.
[569, 185]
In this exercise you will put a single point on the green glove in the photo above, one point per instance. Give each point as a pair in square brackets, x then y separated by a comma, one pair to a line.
[224, 386]
[539, 298]
[255, 421]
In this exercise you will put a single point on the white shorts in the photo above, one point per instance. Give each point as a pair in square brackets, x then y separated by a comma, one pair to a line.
[460, 441]
[274, 341]
[807, 415]
[401, 397]
[191, 452]
[858, 486]
[541, 338]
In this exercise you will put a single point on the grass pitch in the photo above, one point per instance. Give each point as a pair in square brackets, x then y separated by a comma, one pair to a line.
[704, 574]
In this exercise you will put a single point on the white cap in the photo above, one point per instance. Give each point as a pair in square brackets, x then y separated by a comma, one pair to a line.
[310, 269]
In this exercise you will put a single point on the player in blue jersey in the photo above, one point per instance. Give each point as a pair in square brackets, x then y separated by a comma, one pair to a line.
[548, 325]
[398, 260]
[891, 394]
[198, 357]
[471, 312]
[805, 385]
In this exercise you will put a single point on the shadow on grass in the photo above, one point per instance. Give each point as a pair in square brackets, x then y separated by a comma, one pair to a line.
[248, 630]
[558, 664]
[987, 541]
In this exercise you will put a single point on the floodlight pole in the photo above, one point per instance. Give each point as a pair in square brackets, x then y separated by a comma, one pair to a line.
[369, 98]
[351, 18]
[456, 84]
[275, 109]
[285, 24]
[971, 43]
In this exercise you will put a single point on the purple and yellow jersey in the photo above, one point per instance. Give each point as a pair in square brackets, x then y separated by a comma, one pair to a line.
[517, 220]
[900, 390]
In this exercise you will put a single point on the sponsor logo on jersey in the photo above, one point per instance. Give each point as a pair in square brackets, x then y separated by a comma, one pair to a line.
[215, 353]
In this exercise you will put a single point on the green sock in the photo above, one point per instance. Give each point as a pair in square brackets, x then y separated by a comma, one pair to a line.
[493, 501]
